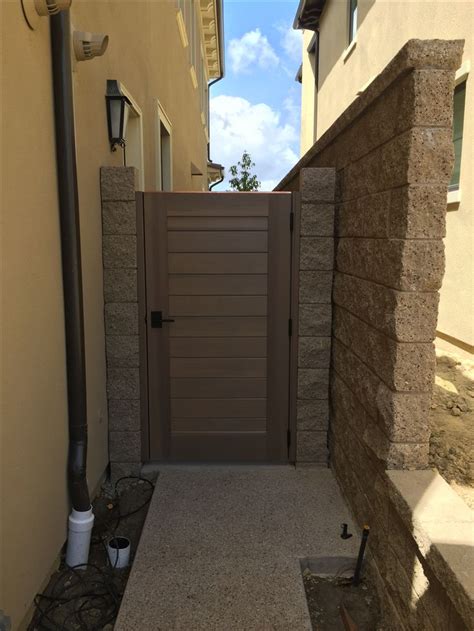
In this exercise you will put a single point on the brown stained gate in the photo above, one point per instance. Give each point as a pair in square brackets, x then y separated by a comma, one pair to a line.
[218, 267]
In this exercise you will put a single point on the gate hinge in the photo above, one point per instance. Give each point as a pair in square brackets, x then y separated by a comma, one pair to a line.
[292, 220]
[290, 327]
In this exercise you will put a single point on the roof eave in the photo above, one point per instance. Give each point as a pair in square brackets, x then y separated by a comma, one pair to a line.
[220, 20]
[308, 14]
[213, 33]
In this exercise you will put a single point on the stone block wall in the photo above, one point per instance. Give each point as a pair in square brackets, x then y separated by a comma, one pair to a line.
[119, 243]
[424, 571]
[316, 264]
[393, 155]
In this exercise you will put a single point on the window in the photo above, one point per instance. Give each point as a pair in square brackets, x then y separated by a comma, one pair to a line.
[458, 124]
[164, 153]
[204, 93]
[194, 39]
[180, 6]
[352, 20]
[189, 23]
[133, 152]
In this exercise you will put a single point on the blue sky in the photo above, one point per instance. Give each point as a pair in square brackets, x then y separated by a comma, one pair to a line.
[256, 107]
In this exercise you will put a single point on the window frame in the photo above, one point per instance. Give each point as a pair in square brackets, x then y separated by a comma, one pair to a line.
[462, 74]
[134, 151]
[163, 172]
[353, 6]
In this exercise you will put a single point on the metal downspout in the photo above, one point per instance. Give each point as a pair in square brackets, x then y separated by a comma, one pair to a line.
[209, 119]
[216, 183]
[214, 81]
[71, 259]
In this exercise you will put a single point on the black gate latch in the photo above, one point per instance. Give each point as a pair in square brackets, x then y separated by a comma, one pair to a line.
[157, 319]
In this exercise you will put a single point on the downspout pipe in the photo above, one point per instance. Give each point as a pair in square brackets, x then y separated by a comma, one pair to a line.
[216, 183]
[209, 119]
[81, 518]
[220, 20]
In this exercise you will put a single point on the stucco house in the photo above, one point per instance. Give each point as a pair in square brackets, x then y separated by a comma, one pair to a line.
[346, 44]
[157, 61]
[164, 325]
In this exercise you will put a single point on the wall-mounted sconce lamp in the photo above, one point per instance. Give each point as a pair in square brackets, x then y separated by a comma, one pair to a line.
[117, 114]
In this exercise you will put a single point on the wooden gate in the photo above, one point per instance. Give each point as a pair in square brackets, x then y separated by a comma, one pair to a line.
[218, 274]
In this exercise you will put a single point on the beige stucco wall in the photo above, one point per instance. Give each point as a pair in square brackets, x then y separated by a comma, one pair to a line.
[308, 98]
[383, 28]
[146, 54]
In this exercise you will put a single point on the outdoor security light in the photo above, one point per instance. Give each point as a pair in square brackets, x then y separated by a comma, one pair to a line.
[34, 9]
[117, 114]
[89, 45]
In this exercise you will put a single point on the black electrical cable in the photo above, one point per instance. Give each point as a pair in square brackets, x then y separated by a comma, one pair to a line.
[139, 508]
[87, 589]
[111, 533]
[100, 594]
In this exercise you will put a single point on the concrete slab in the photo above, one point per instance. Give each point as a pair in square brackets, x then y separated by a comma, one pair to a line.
[221, 548]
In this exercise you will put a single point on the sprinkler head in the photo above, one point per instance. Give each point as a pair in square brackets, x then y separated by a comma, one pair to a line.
[345, 534]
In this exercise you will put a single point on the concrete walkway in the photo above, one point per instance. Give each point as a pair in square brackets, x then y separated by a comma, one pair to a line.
[221, 548]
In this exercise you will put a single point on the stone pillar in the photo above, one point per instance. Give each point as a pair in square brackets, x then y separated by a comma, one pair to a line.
[316, 263]
[119, 247]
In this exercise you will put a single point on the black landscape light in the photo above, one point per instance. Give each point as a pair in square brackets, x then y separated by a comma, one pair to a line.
[118, 108]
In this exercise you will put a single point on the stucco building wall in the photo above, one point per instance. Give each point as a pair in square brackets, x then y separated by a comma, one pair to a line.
[146, 54]
[383, 28]
[309, 97]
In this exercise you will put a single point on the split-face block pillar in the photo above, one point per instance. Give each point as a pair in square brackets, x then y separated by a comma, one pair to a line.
[390, 265]
[119, 227]
[316, 264]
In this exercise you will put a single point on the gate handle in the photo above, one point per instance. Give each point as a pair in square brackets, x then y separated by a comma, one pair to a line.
[157, 319]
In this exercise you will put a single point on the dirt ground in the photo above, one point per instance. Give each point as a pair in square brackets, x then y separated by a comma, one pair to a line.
[89, 599]
[326, 596]
[452, 423]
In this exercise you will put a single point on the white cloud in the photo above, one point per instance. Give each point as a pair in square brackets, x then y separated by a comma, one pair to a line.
[291, 42]
[293, 111]
[238, 125]
[252, 49]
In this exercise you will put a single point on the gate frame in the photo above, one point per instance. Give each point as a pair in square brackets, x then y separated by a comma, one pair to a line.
[143, 327]
[125, 313]
[294, 315]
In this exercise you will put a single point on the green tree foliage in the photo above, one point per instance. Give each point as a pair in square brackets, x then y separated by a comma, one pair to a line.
[242, 178]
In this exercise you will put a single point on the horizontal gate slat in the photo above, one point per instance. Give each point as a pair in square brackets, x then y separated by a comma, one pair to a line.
[216, 285]
[217, 306]
[236, 205]
[229, 263]
[218, 408]
[217, 241]
[217, 223]
[219, 327]
[218, 446]
[223, 368]
[221, 424]
[226, 388]
[218, 347]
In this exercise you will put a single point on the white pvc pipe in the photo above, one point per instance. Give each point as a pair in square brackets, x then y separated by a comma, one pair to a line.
[118, 549]
[79, 537]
